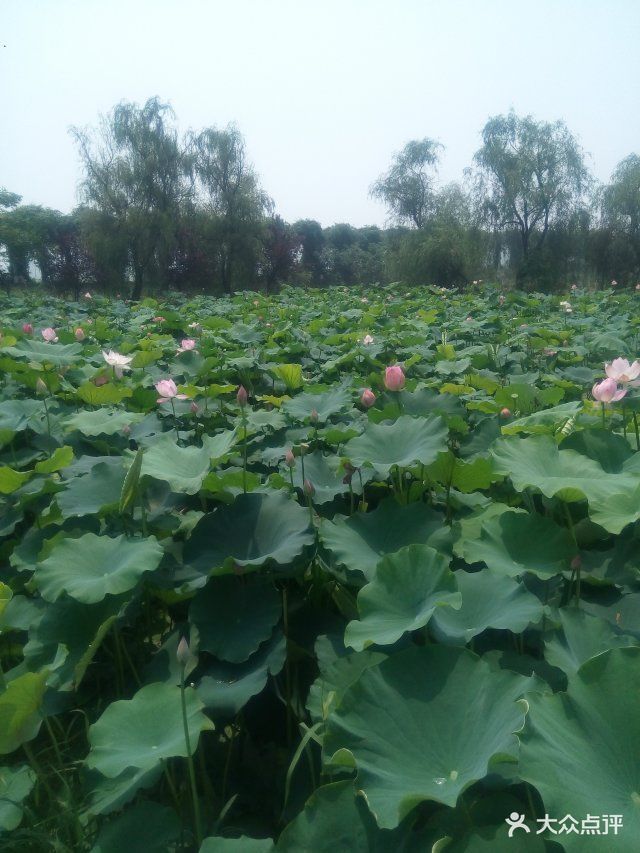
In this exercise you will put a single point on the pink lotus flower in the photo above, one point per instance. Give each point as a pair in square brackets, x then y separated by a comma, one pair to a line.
[27, 328]
[505, 413]
[158, 319]
[168, 391]
[394, 378]
[620, 370]
[49, 335]
[368, 398]
[186, 345]
[607, 391]
[79, 334]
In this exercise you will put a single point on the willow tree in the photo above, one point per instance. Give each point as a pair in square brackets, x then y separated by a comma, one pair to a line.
[529, 176]
[134, 175]
[229, 193]
[407, 188]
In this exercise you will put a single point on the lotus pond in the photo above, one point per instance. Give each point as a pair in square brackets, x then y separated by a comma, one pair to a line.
[325, 571]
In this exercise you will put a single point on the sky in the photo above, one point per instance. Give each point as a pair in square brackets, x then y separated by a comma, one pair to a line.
[325, 92]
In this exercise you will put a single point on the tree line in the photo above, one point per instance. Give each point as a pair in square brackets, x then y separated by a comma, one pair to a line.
[159, 211]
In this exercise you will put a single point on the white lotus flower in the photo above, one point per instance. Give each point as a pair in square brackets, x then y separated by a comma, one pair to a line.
[117, 361]
[620, 370]
[367, 340]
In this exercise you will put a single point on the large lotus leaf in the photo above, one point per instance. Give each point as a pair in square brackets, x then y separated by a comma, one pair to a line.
[462, 475]
[360, 542]
[244, 844]
[184, 468]
[538, 462]
[404, 442]
[56, 354]
[614, 499]
[335, 820]
[90, 567]
[145, 730]
[101, 395]
[109, 795]
[326, 404]
[515, 542]
[96, 492]
[79, 627]
[424, 725]
[234, 615]
[102, 421]
[328, 688]
[226, 688]
[20, 716]
[581, 636]
[15, 785]
[581, 749]
[11, 480]
[488, 601]
[256, 529]
[147, 827]
[15, 415]
[547, 421]
[609, 450]
[407, 588]
[468, 527]
[60, 458]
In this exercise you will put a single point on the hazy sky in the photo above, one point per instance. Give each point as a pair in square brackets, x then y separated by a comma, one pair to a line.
[324, 91]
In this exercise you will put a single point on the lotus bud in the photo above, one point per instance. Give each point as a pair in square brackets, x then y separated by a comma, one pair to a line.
[394, 378]
[368, 398]
[27, 328]
[41, 388]
[194, 407]
[314, 416]
[126, 430]
[183, 654]
[308, 488]
[289, 458]
[505, 413]
[242, 396]
[79, 334]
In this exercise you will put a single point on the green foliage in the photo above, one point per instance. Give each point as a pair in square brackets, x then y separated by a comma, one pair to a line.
[303, 621]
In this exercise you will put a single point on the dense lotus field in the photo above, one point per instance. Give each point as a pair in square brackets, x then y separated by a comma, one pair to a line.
[326, 571]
